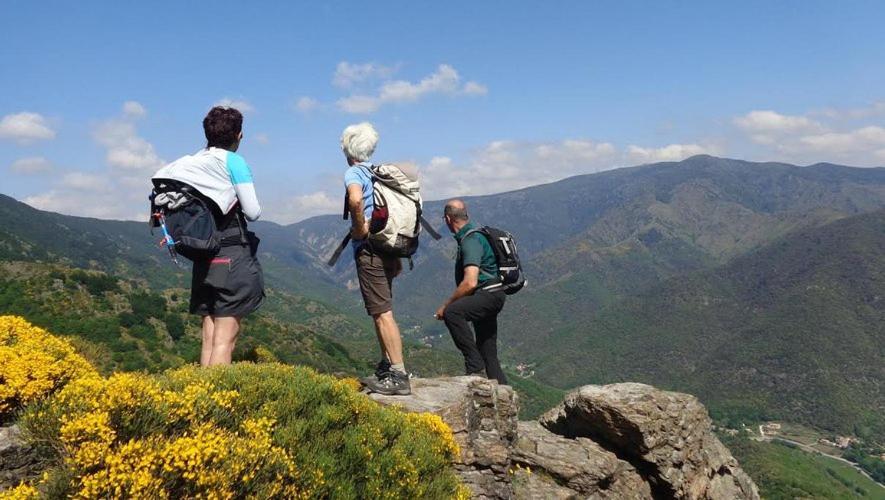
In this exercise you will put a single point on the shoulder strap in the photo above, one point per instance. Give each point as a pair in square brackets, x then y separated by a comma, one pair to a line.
[468, 233]
[427, 227]
[370, 171]
[341, 247]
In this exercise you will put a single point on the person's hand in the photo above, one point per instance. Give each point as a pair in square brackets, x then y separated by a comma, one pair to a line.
[360, 233]
[440, 312]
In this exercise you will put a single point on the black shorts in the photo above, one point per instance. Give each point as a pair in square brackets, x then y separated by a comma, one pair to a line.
[230, 284]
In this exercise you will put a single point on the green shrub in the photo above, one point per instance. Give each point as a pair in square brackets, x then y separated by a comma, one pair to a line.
[175, 326]
[96, 283]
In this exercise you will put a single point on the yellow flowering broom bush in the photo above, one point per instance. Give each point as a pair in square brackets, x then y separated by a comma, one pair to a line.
[34, 364]
[244, 431]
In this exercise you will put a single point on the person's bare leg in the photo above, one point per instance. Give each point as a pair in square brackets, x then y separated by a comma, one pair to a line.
[208, 338]
[384, 353]
[225, 338]
[389, 337]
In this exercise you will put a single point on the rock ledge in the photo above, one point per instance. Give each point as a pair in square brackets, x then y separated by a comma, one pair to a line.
[614, 441]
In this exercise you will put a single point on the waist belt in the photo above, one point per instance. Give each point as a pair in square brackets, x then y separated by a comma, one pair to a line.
[233, 236]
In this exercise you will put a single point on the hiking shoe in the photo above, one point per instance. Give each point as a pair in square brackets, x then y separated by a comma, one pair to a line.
[381, 369]
[393, 383]
[480, 373]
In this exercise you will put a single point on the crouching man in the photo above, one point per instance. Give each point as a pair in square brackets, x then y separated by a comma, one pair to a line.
[471, 302]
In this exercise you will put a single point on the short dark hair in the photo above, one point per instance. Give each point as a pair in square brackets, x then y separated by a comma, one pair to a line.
[222, 126]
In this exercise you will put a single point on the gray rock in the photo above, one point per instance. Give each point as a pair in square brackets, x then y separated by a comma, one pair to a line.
[532, 485]
[667, 436]
[570, 468]
[483, 418]
[17, 460]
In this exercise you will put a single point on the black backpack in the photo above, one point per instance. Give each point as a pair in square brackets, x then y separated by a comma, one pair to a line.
[187, 218]
[511, 277]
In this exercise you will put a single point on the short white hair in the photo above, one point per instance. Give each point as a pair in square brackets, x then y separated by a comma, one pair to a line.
[358, 141]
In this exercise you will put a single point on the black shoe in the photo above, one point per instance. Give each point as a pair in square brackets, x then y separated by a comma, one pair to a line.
[381, 369]
[480, 373]
[393, 383]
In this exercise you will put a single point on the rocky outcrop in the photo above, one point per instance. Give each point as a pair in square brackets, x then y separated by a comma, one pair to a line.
[667, 436]
[17, 462]
[602, 442]
[564, 467]
[483, 418]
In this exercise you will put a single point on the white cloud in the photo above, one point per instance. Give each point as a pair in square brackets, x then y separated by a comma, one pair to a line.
[25, 128]
[125, 148]
[347, 74]
[445, 80]
[801, 139]
[306, 104]
[241, 105]
[672, 152]
[117, 192]
[102, 205]
[134, 109]
[262, 138]
[305, 206]
[858, 140]
[508, 165]
[769, 127]
[85, 181]
[473, 88]
[31, 165]
[773, 121]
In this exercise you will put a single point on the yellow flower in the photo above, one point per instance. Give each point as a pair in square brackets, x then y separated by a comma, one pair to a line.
[34, 364]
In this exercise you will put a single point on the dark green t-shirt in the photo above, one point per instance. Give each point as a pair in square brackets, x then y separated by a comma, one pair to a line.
[475, 250]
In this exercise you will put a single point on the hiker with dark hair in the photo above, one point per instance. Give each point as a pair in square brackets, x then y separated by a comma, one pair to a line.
[476, 299]
[375, 270]
[229, 284]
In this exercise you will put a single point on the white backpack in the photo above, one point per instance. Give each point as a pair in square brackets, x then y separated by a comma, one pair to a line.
[396, 217]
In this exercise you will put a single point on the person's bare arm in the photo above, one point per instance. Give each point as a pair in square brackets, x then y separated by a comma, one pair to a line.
[465, 288]
[359, 228]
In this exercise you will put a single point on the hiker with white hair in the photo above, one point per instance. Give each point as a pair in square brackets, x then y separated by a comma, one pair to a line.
[375, 270]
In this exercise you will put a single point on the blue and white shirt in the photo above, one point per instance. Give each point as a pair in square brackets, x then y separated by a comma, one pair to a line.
[221, 175]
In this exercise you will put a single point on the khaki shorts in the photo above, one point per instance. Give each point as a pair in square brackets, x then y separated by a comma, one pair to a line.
[375, 274]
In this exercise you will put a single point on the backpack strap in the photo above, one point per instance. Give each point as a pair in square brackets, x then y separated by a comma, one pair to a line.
[427, 227]
[479, 230]
[337, 253]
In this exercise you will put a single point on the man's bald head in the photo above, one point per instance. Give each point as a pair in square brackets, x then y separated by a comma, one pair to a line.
[456, 210]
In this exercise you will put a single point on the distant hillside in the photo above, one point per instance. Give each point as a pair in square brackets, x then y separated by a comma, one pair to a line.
[794, 330]
[121, 325]
[119, 247]
[591, 239]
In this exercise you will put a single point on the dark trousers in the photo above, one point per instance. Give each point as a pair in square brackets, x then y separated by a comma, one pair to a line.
[482, 310]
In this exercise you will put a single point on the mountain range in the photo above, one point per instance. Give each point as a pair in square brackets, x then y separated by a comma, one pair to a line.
[756, 286]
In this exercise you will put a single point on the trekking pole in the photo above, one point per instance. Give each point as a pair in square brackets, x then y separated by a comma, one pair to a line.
[167, 238]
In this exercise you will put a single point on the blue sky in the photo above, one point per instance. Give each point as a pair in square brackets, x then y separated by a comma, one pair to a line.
[483, 96]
